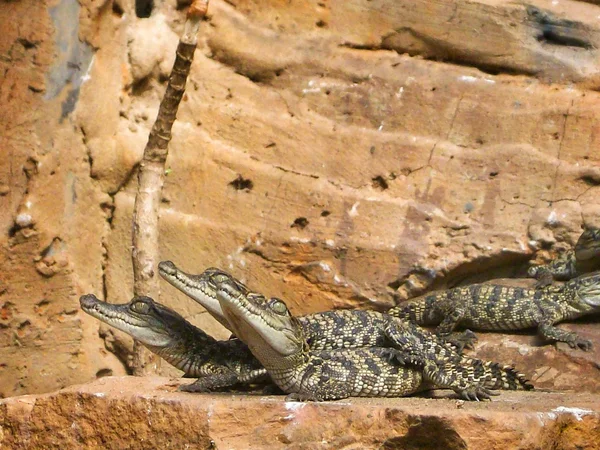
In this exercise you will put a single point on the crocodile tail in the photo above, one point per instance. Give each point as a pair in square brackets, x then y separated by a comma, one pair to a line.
[517, 378]
[493, 375]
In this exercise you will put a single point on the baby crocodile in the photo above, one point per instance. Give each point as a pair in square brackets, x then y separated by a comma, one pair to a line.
[496, 307]
[217, 364]
[334, 330]
[279, 341]
[583, 259]
[353, 328]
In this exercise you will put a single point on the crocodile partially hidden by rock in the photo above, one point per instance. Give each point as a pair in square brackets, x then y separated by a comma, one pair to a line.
[279, 341]
[505, 308]
[334, 330]
[216, 364]
[584, 258]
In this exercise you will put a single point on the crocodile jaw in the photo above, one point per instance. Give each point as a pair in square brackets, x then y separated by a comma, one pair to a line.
[119, 317]
[256, 327]
[588, 289]
[195, 286]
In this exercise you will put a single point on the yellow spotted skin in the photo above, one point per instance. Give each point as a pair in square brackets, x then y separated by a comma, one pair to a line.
[357, 353]
[497, 307]
[342, 373]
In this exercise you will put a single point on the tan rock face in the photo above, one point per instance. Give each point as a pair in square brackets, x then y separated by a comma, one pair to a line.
[114, 413]
[336, 154]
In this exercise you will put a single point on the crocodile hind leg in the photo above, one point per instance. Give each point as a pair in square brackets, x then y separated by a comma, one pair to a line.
[414, 345]
[442, 365]
[462, 380]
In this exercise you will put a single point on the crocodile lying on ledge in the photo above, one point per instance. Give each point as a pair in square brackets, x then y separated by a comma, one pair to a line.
[217, 364]
[584, 258]
[497, 307]
[345, 329]
[279, 342]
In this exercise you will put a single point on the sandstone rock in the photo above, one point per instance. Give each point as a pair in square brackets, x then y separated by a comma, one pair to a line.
[151, 47]
[115, 413]
[336, 154]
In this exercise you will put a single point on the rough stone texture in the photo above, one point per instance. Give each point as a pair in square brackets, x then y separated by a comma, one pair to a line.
[336, 154]
[114, 413]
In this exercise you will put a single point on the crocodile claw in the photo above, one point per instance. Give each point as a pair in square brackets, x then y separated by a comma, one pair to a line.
[581, 343]
[477, 394]
[393, 356]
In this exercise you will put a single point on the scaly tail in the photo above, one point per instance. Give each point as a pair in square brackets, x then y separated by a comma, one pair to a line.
[493, 375]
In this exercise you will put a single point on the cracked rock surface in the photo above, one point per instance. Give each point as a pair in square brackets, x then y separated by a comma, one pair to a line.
[335, 154]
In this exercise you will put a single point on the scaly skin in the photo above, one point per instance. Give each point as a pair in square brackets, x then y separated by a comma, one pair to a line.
[277, 339]
[217, 364]
[441, 364]
[320, 334]
[496, 307]
[333, 330]
[583, 259]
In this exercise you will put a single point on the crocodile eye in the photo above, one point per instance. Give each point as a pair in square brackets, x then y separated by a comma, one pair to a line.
[218, 278]
[278, 306]
[140, 307]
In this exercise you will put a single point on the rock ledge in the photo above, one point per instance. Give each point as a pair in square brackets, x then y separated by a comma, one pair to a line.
[128, 412]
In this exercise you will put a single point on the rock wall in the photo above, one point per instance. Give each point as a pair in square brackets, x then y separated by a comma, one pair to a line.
[334, 153]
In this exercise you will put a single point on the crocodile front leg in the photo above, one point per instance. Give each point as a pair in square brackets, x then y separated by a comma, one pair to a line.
[547, 330]
[461, 340]
[451, 320]
[210, 383]
[564, 268]
[543, 274]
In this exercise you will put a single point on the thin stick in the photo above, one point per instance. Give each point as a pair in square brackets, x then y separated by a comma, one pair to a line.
[151, 176]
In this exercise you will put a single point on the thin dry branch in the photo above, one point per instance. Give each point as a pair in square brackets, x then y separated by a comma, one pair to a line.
[151, 176]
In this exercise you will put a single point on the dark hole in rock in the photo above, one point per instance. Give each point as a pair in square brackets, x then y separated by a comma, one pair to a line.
[300, 222]
[104, 373]
[117, 9]
[590, 179]
[242, 184]
[380, 183]
[143, 8]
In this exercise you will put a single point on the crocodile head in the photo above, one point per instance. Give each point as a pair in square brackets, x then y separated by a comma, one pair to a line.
[588, 289]
[151, 323]
[266, 325]
[588, 245]
[202, 288]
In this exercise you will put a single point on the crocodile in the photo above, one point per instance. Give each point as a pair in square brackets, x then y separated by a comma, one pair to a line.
[498, 307]
[332, 330]
[584, 258]
[216, 364]
[352, 330]
[203, 289]
[279, 341]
